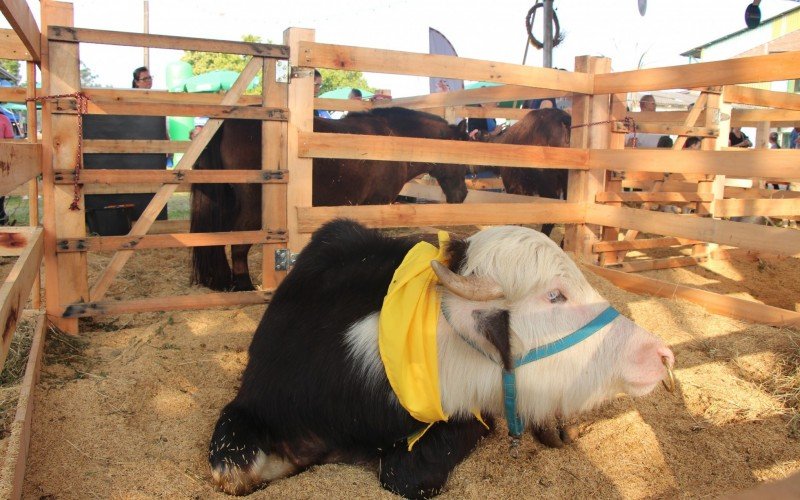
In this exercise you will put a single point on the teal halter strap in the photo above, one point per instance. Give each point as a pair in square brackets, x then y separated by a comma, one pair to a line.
[515, 424]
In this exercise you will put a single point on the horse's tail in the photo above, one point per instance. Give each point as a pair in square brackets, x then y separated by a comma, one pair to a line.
[212, 211]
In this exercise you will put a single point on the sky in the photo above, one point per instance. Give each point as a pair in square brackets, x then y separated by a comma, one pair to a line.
[478, 29]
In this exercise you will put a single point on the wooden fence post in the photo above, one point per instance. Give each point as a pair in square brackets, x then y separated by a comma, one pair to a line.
[66, 278]
[33, 184]
[273, 157]
[301, 119]
[585, 184]
[717, 115]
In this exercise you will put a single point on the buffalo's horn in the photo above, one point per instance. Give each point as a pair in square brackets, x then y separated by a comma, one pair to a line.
[473, 288]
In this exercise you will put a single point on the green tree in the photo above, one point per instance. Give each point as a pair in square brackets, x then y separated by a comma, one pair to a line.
[203, 62]
[88, 79]
[12, 67]
[333, 79]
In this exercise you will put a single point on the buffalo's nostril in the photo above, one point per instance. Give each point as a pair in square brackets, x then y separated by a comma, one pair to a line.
[666, 354]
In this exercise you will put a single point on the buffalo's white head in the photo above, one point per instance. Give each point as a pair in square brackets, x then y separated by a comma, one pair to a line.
[515, 290]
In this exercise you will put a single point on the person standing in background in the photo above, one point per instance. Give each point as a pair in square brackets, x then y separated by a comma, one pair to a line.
[773, 141]
[6, 132]
[738, 139]
[142, 78]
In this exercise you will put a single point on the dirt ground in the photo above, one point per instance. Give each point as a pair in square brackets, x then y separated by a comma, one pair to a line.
[125, 410]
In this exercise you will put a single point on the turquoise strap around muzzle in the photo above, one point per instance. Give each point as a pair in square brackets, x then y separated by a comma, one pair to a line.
[515, 425]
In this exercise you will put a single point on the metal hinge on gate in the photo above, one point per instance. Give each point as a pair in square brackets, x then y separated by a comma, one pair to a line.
[284, 259]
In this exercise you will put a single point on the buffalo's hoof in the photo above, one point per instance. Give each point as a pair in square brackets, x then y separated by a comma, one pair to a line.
[556, 433]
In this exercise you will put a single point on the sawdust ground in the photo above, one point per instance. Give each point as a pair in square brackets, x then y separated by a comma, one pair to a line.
[129, 414]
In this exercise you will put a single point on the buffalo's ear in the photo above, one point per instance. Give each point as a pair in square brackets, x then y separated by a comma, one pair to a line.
[493, 324]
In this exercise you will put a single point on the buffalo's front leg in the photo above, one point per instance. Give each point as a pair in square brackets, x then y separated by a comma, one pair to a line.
[423, 471]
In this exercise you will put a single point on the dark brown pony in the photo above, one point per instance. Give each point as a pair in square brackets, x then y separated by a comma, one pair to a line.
[541, 127]
[237, 207]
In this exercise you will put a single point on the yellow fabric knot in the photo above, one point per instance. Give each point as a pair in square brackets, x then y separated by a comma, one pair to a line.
[407, 334]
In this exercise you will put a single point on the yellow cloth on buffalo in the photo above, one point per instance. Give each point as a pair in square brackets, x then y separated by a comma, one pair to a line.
[407, 333]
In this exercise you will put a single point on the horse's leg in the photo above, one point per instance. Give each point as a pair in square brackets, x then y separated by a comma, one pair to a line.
[248, 218]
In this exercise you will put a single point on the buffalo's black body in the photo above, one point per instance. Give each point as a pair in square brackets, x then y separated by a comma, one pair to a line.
[305, 399]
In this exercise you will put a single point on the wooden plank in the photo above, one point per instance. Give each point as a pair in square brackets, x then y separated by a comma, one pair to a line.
[667, 129]
[658, 197]
[486, 112]
[11, 47]
[154, 304]
[748, 163]
[14, 240]
[12, 94]
[434, 193]
[16, 287]
[19, 163]
[299, 98]
[474, 96]
[652, 264]
[169, 226]
[274, 211]
[675, 118]
[769, 68]
[342, 104]
[141, 96]
[160, 199]
[133, 146]
[775, 240]
[772, 194]
[778, 117]
[68, 274]
[768, 208]
[646, 244]
[177, 240]
[363, 147]
[33, 185]
[713, 302]
[583, 186]
[162, 109]
[311, 218]
[21, 19]
[110, 176]
[343, 57]
[758, 97]
[16, 456]
[104, 37]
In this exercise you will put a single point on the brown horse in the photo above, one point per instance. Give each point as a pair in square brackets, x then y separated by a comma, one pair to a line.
[237, 207]
[541, 127]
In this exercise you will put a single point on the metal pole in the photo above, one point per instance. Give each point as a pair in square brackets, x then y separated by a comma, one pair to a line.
[146, 32]
[547, 55]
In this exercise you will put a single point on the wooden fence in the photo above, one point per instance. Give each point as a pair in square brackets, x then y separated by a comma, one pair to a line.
[595, 210]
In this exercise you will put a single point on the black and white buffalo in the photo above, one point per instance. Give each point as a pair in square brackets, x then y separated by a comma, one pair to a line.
[511, 304]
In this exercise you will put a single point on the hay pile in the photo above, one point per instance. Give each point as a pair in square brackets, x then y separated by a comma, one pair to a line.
[131, 413]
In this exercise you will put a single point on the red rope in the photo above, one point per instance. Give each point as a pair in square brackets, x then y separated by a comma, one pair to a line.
[82, 106]
[629, 123]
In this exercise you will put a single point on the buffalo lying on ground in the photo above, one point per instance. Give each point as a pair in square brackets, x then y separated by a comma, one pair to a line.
[513, 320]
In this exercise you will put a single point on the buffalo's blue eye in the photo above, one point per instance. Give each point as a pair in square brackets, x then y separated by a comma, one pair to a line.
[555, 296]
